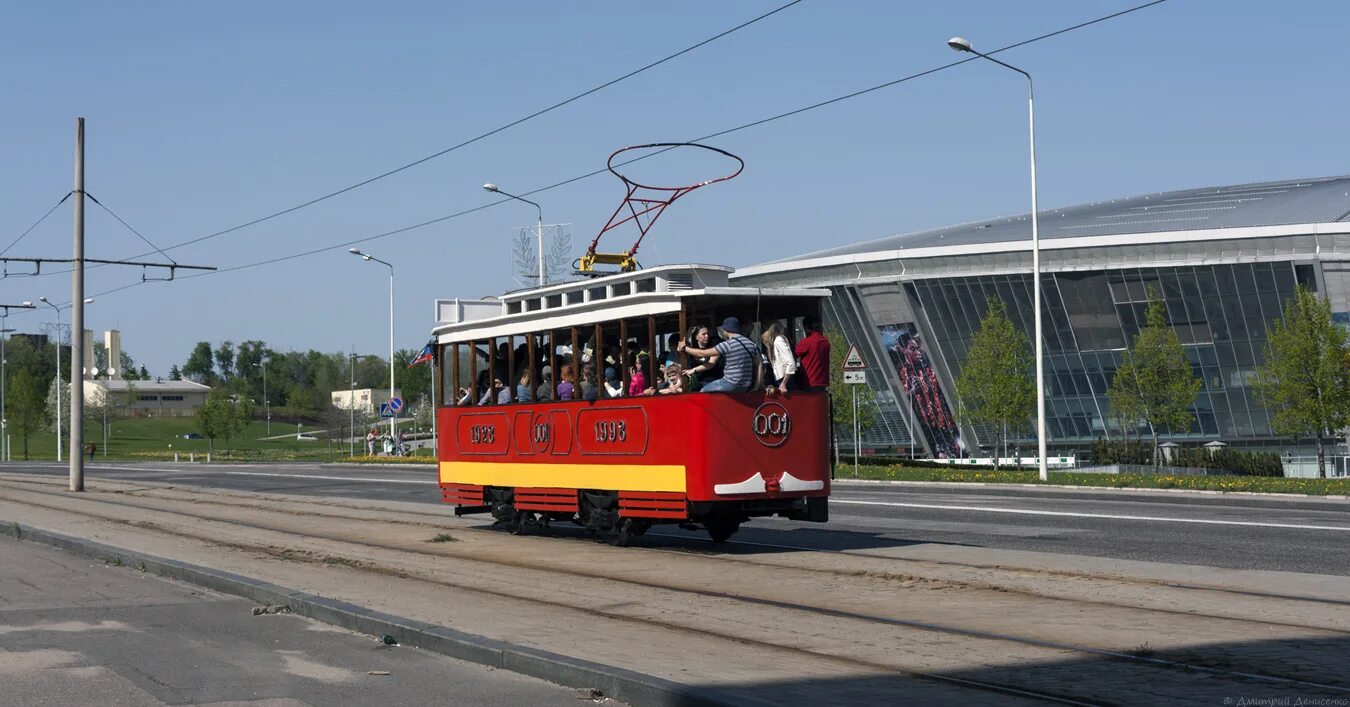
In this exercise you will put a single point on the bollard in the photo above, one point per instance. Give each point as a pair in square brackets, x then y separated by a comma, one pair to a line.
[208, 457]
[175, 457]
[192, 456]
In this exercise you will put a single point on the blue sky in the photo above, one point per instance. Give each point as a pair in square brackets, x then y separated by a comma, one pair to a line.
[202, 116]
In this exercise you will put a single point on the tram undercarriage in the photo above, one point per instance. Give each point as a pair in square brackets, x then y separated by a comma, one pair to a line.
[619, 517]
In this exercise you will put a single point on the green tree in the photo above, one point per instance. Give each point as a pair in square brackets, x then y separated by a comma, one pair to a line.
[996, 386]
[1305, 380]
[842, 393]
[223, 416]
[1155, 383]
[175, 374]
[225, 360]
[413, 383]
[200, 366]
[26, 405]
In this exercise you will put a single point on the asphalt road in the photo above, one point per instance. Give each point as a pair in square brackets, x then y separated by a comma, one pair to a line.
[1296, 535]
[77, 632]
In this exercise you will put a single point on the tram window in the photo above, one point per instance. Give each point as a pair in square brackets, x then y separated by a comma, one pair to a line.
[490, 383]
[543, 359]
[645, 285]
[609, 363]
[621, 288]
[554, 301]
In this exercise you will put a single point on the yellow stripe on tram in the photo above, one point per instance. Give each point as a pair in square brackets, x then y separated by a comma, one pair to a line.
[652, 477]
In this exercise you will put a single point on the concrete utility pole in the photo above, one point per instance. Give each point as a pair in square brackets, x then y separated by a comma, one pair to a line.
[351, 404]
[77, 319]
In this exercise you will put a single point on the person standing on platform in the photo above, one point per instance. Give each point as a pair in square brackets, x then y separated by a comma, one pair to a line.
[814, 352]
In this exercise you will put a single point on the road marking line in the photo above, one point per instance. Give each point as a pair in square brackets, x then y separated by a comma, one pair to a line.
[1071, 514]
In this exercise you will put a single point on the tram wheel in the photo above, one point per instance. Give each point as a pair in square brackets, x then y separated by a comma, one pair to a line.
[522, 522]
[721, 529]
[622, 534]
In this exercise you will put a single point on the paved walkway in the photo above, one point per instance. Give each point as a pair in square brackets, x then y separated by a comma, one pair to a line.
[75, 632]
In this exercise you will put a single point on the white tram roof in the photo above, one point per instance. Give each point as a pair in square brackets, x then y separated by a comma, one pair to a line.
[659, 290]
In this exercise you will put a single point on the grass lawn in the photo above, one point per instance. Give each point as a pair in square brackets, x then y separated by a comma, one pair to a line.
[1258, 484]
[159, 437]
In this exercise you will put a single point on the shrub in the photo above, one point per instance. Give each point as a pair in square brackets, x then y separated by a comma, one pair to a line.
[1224, 459]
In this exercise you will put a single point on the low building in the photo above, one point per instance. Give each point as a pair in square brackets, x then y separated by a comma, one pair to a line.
[157, 398]
[363, 400]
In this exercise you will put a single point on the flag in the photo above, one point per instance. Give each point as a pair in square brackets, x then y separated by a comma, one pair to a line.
[426, 354]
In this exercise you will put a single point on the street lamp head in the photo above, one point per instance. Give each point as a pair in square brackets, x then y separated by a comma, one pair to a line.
[491, 187]
[354, 251]
[89, 300]
[960, 44]
[42, 299]
[27, 303]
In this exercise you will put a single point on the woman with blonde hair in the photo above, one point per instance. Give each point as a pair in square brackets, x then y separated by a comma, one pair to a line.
[781, 359]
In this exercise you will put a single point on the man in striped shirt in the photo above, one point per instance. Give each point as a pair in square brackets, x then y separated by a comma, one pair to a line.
[737, 354]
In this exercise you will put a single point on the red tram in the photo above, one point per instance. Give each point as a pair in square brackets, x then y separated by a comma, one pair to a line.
[531, 447]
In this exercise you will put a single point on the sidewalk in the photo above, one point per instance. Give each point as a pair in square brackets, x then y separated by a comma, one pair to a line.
[77, 631]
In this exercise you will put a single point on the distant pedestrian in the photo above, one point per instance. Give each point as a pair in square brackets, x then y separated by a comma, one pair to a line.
[91, 449]
[370, 442]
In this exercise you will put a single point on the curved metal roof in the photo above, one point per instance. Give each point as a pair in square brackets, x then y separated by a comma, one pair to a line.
[1318, 200]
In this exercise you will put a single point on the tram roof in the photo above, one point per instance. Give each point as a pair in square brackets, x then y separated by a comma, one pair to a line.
[653, 291]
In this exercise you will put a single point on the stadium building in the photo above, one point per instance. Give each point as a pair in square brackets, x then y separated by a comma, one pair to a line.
[1223, 259]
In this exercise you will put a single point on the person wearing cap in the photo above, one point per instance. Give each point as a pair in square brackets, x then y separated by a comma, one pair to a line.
[613, 386]
[737, 355]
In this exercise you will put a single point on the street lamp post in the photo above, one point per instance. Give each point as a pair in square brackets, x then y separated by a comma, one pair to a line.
[4, 377]
[267, 403]
[59, 385]
[4, 421]
[393, 420]
[539, 230]
[962, 45]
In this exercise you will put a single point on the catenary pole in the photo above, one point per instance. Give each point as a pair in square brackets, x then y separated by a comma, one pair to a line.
[393, 420]
[351, 404]
[77, 319]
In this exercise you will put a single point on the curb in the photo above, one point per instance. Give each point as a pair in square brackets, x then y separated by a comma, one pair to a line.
[617, 683]
[1086, 489]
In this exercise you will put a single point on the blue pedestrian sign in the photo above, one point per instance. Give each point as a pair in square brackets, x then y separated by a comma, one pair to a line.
[386, 410]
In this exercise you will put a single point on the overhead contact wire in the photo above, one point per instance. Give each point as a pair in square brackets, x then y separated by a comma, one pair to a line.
[489, 133]
[593, 173]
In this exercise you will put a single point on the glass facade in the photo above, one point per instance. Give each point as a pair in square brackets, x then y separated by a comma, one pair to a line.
[918, 333]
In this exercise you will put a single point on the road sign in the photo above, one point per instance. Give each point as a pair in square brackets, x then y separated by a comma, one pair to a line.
[855, 377]
[854, 360]
[396, 404]
[386, 409]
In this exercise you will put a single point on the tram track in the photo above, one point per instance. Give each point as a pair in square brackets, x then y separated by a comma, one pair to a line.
[285, 554]
[440, 519]
[1122, 658]
[435, 521]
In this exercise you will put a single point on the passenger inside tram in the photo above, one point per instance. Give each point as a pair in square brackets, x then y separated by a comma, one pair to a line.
[642, 355]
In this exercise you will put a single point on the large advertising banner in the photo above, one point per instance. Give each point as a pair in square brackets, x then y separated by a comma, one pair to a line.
[931, 412]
